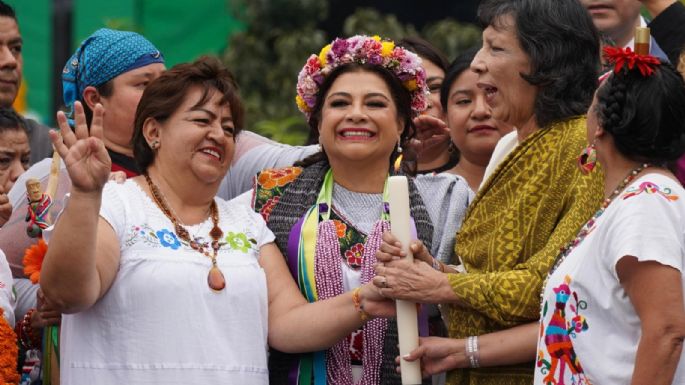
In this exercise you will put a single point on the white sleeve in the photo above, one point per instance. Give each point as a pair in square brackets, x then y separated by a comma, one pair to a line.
[113, 208]
[253, 154]
[650, 228]
[262, 232]
[7, 299]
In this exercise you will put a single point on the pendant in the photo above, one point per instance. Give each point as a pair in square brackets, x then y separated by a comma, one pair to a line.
[215, 279]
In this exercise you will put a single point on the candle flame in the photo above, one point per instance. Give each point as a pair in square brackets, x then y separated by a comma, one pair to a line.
[398, 162]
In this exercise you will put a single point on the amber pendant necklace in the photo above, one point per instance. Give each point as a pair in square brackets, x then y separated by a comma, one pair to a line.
[215, 278]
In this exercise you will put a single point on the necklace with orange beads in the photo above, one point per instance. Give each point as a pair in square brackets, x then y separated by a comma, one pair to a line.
[215, 278]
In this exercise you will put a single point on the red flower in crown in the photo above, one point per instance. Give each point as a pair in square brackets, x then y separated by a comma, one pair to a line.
[620, 57]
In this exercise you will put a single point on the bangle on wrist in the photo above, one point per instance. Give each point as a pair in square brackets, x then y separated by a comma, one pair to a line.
[27, 336]
[472, 352]
[357, 301]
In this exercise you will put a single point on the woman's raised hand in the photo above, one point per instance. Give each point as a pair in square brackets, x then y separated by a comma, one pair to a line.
[83, 150]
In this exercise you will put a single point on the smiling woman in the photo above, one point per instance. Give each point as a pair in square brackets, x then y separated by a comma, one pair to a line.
[161, 242]
[328, 213]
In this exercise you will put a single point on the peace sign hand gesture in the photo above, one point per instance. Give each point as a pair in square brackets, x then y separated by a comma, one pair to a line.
[83, 152]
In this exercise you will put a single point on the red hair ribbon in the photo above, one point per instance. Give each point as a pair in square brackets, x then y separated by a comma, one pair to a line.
[620, 57]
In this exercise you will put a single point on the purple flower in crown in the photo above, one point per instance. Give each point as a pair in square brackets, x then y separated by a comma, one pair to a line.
[310, 100]
[404, 76]
[339, 47]
[375, 59]
[318, 78]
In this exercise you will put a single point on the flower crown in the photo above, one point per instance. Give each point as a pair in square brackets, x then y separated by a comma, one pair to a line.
[620, 57]
[361, 49]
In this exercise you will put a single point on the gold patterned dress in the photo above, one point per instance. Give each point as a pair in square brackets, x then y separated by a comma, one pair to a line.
[535, 202]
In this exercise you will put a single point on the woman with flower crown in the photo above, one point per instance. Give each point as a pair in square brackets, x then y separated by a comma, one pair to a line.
[160, 281]
[328, 214]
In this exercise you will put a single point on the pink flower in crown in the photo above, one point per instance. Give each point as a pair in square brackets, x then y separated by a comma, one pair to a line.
[339, 47]
[313, 65]
[371, 47]
[308, 85]
[398, 53]
[354, 42]
[419, 103]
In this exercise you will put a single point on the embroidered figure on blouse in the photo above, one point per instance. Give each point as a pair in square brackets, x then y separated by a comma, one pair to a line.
[558, 334]
[650, 188]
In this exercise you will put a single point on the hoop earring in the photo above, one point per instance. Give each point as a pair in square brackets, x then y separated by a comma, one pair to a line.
[587, 160]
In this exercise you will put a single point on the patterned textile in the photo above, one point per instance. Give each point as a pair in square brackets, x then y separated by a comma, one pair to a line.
[297, 197]
[103, 56]
[532, 205]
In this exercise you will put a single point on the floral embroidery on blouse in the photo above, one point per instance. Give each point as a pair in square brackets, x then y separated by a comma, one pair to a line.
[558, 334]
[271, 184]
[166, 238]
[650, 188]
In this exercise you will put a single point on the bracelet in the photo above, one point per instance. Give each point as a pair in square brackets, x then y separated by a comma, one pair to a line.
[27, 336]
[356, 300]
[472, 351]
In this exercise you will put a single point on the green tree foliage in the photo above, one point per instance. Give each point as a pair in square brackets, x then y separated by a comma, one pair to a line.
[281, 34]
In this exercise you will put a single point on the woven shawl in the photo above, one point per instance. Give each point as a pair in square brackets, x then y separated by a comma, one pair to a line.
[298, 197]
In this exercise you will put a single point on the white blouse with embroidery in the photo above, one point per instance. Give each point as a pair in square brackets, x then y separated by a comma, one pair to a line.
[160, 322]
[589, 330]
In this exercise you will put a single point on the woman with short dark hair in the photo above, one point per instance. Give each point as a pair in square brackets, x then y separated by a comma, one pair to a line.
[538, 67]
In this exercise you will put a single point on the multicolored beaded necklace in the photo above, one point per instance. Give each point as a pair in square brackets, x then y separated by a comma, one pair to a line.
[320, 275]
[215, 278]
[589, 225]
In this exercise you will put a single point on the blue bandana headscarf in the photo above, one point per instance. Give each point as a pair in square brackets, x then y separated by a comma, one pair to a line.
[103, 56]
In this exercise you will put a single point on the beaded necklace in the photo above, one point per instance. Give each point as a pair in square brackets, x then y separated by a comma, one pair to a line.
[215, 278]
[589, 225]
[320, 274]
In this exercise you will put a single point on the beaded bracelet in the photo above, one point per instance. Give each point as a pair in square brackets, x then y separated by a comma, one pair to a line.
[472, 351]
[27, 336]
[358, 304]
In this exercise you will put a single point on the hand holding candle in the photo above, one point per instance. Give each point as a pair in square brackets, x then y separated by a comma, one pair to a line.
[407, 321]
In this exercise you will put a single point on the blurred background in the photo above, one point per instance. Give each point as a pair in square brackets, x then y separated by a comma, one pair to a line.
[264, 42]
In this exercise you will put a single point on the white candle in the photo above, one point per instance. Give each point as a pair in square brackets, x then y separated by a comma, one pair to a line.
[407, 320]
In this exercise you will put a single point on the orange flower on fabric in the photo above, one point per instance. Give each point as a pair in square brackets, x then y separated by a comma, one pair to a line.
[620, 57]
[33, 260]
[8, 353]
[340, 228]
[269, 179]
